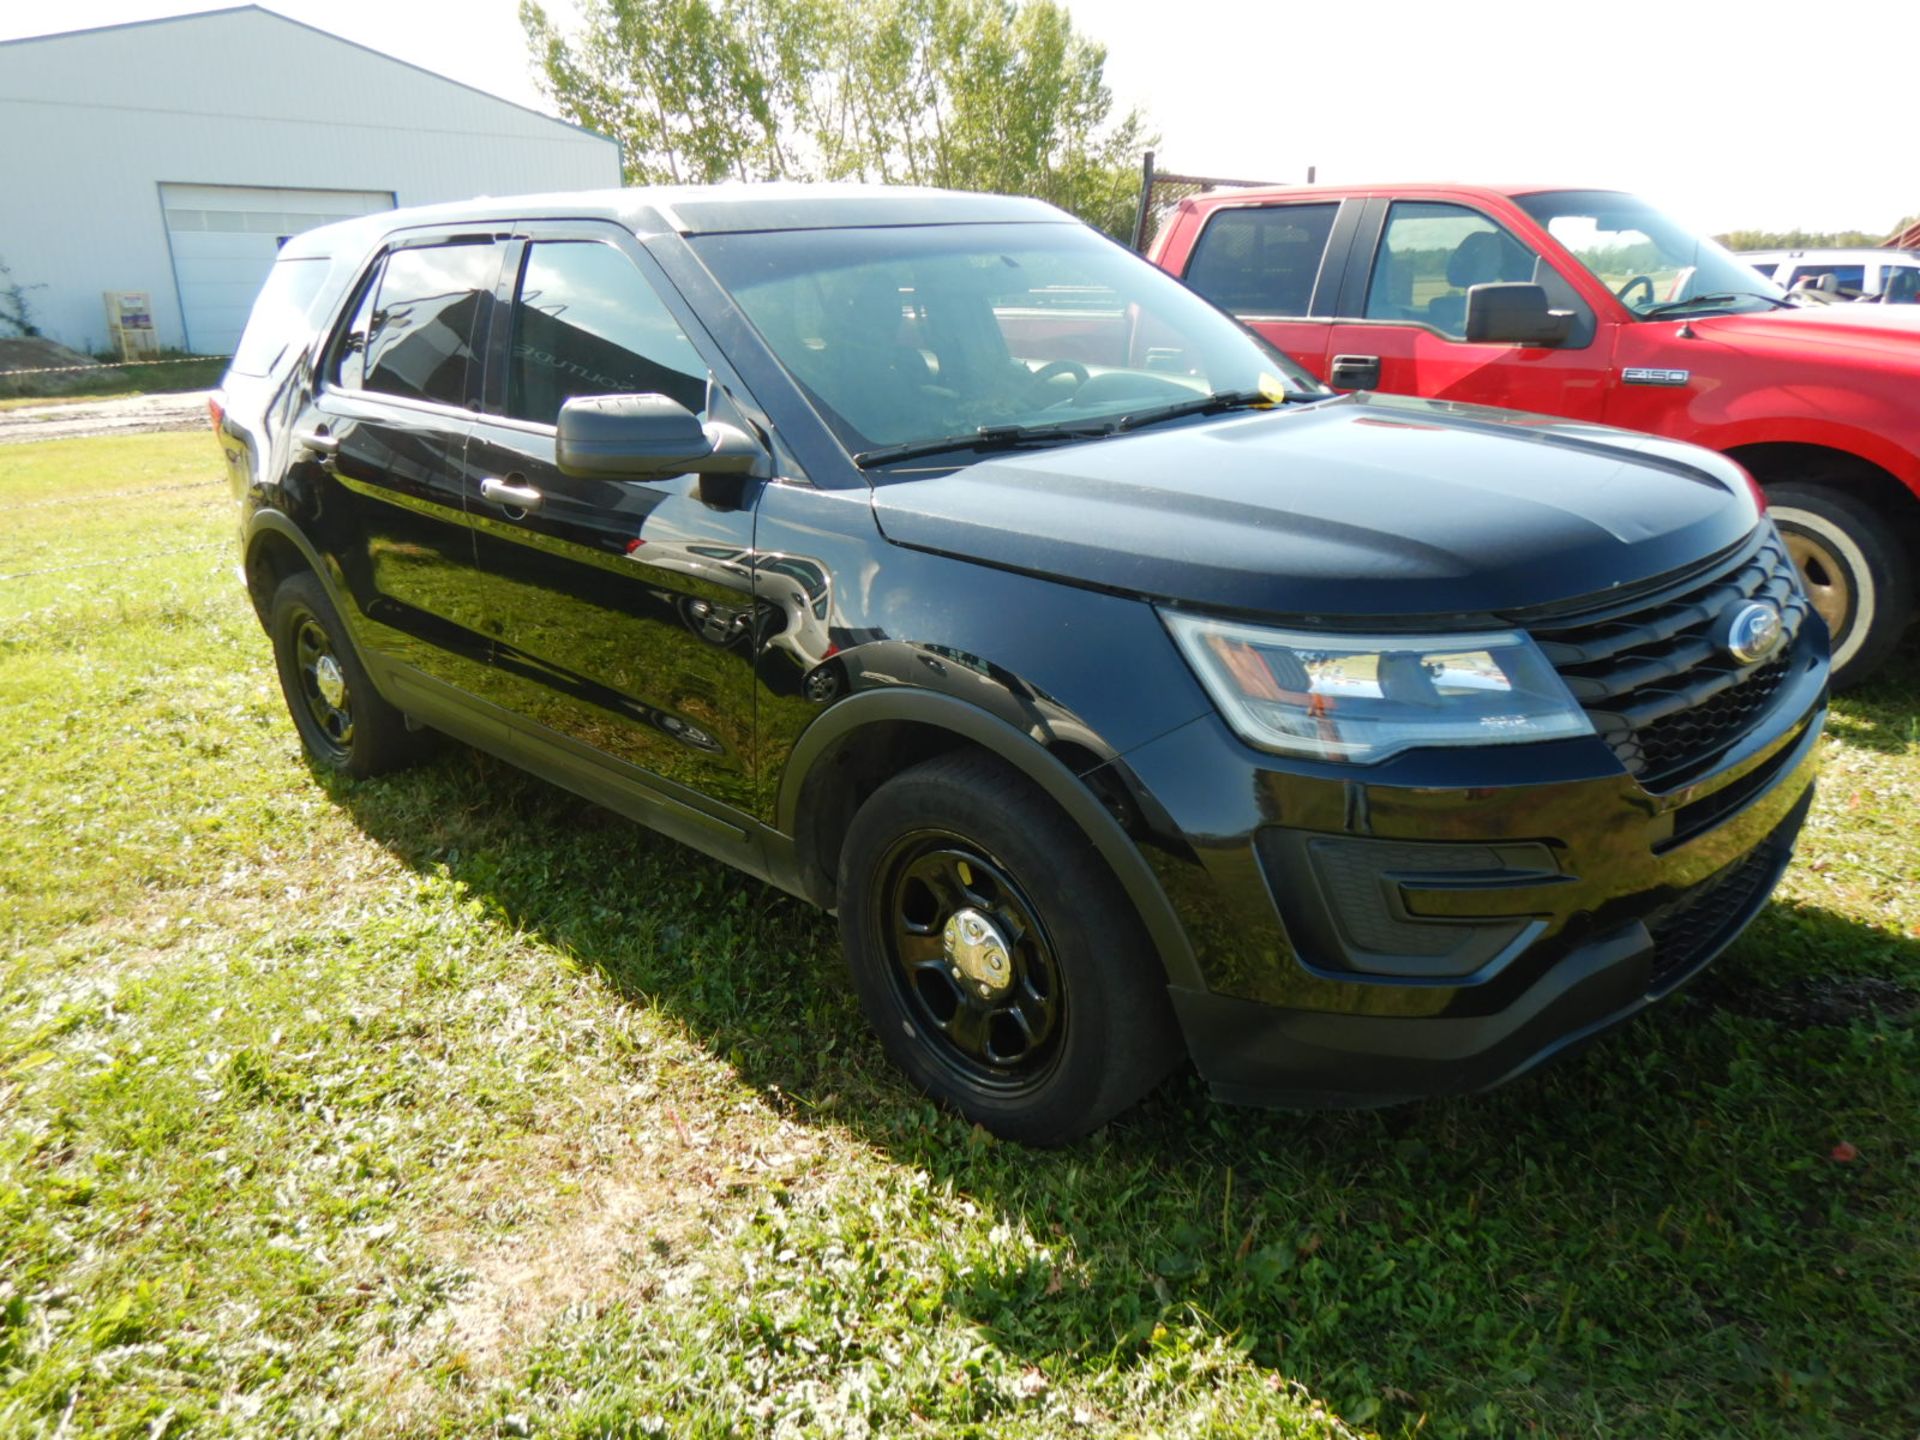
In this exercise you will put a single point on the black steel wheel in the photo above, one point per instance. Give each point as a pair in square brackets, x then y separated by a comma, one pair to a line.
[323, 687]
[998, 959]
[971, 960]
[343, 722]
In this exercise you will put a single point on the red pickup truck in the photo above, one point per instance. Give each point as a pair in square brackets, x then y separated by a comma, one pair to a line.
[1592, 305]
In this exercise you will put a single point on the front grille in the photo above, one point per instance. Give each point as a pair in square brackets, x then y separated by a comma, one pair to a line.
[1658, 688]
[1687, 930]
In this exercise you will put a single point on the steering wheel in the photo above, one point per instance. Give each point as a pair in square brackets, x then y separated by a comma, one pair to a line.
[1643, 281]
[1054, 369]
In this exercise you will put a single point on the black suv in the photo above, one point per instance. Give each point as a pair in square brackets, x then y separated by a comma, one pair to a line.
[1128, 695]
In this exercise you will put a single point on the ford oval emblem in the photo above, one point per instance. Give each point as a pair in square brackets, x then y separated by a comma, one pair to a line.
[1752, 632]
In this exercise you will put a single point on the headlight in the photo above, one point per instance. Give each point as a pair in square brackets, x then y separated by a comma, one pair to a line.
[1362, 698]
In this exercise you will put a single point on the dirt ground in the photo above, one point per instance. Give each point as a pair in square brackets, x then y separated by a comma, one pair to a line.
[126, 415]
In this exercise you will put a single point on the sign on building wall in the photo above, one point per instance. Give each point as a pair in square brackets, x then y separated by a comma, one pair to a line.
[130, 324]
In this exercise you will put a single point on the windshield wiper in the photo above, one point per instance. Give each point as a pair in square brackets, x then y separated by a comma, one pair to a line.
[1669, 307]
[987, 437]
[1201, 405]
[1012, 437]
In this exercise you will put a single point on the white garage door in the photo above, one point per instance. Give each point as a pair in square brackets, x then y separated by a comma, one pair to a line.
[224, 240]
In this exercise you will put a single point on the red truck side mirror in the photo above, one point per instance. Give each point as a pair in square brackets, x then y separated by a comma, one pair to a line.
[1515, 314]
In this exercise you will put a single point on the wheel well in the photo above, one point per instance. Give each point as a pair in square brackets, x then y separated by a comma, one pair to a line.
[1777, 462]
[270, 559]
[841, 780]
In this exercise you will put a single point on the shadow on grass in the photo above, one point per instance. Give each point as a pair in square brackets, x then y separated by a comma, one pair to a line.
[1653, 1234]
[1883, 714]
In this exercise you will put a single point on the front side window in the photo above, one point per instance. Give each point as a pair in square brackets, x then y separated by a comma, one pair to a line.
[900, 334]
[1654, 265]
[1430, 255]
[1261, 260]
[587, 322]
[418, 340]
[1901, 285]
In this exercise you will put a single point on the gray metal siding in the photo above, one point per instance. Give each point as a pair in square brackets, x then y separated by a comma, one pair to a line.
[236, 98]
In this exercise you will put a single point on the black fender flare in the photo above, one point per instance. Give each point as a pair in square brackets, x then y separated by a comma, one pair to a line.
[264, 521]
[278, 523]
[924, 707]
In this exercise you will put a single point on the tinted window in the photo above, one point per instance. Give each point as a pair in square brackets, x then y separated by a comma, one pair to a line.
[1847, 277]
[350, 350]
[422, 331]
[279, 314]
[1261, 260]
[588, 323]
[1431, 255]
[1901, 285]
[1764, 267]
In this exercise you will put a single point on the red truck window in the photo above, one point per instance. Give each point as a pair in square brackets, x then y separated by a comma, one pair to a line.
[1261, 260]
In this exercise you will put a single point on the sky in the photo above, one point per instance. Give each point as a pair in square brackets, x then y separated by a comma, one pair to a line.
[1706, 108]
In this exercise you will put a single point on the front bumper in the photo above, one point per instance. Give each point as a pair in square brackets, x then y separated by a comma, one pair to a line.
[1412, 930]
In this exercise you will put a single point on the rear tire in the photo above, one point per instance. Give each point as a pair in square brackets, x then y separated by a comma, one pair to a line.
[343, 722]
[996, 956]
[1856, 572]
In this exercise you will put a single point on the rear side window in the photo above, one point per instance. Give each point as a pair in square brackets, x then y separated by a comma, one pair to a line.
[280, 313]
[1765, 267]
[587, 322]
[1847, 277]
[1261, 260]
[418, 340]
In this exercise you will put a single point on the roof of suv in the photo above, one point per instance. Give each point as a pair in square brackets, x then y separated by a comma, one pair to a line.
[704, 210]
[1865, 254]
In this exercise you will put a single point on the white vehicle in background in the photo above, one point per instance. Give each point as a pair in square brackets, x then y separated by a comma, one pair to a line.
[1890, 277]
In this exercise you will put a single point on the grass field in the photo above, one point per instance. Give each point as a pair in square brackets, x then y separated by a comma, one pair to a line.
[447, 1105]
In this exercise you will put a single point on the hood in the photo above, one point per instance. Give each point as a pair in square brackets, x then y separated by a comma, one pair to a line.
[1883, 329]
[1364, 507]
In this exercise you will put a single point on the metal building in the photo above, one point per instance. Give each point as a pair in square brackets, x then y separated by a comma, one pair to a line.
[173, 157]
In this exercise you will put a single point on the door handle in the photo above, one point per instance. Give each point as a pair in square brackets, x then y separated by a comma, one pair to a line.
[509, 496]
[315, 438]
[1356, 372]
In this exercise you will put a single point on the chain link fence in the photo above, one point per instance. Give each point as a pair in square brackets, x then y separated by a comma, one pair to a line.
[1162, 190]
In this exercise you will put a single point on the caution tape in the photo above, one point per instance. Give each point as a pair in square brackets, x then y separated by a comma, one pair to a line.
[112, 365]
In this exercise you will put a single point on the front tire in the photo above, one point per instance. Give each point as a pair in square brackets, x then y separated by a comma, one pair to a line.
[997, 957]
[1857, 575]
[343, 722]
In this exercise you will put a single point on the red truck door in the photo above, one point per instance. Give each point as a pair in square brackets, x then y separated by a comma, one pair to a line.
[1273, 266]
[1403, 308]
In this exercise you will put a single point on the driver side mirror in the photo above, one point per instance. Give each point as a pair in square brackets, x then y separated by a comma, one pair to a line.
[1514, 314]
[650, 437]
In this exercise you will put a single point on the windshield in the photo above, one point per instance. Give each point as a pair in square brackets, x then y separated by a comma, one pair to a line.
[1649, 261]
[913, 333]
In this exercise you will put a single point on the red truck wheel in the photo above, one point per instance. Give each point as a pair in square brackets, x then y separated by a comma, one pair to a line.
[1857, 577]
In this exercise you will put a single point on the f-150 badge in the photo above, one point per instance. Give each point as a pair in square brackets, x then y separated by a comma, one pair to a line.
[1656, 377]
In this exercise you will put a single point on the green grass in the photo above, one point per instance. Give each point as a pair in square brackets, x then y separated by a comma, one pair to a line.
[448, 1105]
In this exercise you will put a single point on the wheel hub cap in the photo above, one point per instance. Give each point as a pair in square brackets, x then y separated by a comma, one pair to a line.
[977, 952]
[1825, 580]
[329, 681]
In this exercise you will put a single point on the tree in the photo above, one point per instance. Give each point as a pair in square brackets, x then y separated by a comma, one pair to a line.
[999, 95]
[15, 313]
[1738, 240]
